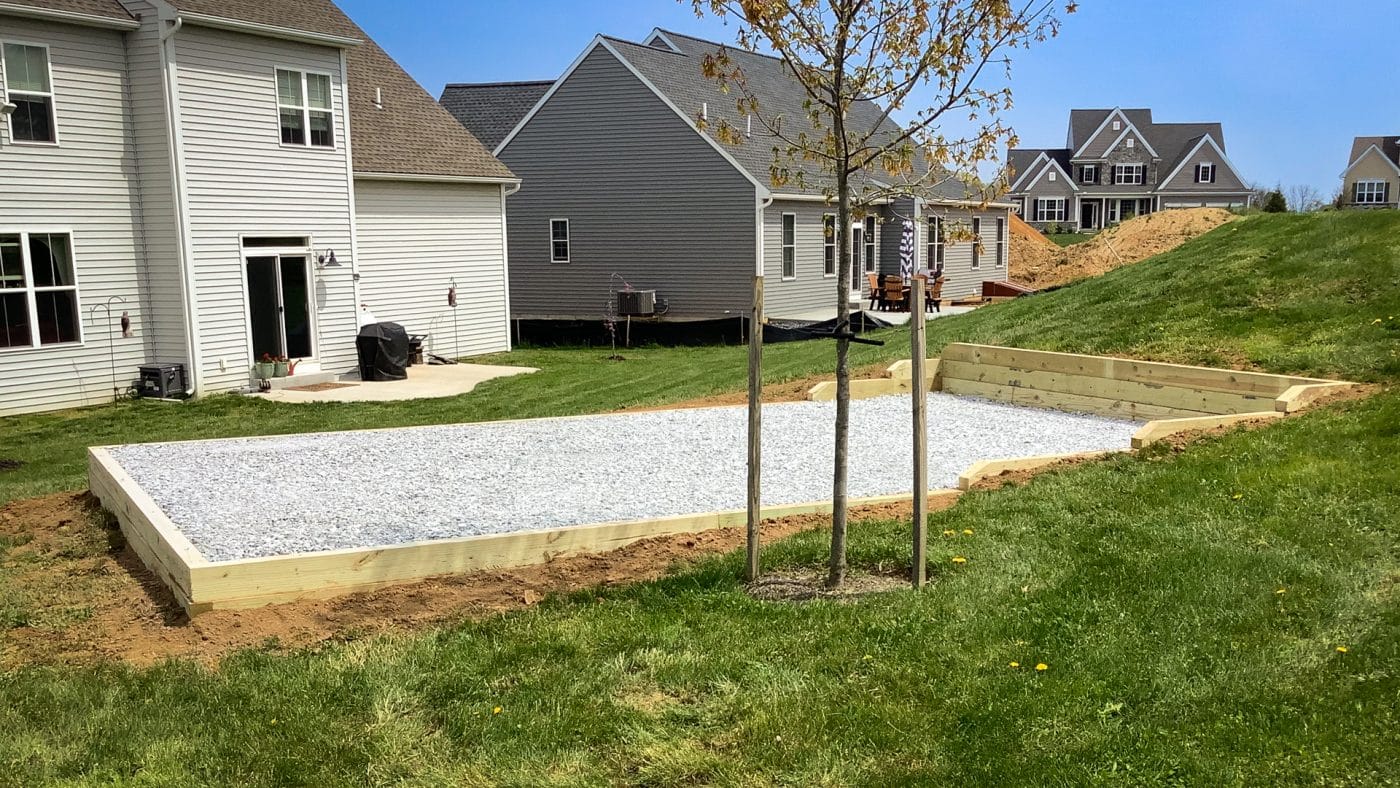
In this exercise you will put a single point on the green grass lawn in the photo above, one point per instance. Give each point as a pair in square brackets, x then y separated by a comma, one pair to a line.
[1189, 607]
[1069, 239]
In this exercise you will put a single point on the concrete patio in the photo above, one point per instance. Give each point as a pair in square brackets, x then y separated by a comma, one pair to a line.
[424, 382]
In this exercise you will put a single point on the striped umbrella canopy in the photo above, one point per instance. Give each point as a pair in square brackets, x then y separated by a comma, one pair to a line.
[906, 251]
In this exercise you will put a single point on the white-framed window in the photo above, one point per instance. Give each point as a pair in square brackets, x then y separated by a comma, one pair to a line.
[1049, 209]
[829, 244]
[1205, 172]
[1050, 175]
[933, 244]
[38, 290]
[871, 241]
[558, 240]
[1129, 143]
[1001, 242]
[29, 86]
[1370, 192]
[304, 106]
[1127, 174]
[1117, 125]
[789, 243]
[1089, 173]
[976, 242]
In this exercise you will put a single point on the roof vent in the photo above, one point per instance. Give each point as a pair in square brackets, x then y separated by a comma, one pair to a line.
[705, 110]
[379, 98]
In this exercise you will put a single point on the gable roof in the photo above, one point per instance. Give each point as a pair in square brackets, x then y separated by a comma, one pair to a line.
[673, 70]
[490, 110]
[1025, 163]
[320, 17]
[80, 10]
[1085, 123]
[1389, 148]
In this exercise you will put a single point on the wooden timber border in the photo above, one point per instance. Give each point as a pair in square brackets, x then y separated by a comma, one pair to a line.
[1180, 398]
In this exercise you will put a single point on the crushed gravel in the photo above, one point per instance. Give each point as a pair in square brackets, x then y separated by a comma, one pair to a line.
[280, 495]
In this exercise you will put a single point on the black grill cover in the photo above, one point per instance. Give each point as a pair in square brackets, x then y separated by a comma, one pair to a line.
[383, 351]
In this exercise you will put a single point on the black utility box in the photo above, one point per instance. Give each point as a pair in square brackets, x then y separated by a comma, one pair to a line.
[163, 381]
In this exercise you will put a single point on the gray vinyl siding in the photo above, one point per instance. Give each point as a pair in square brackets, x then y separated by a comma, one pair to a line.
[415, 240]
[157, 231]
[1098, 146]
[85, 185]
[960, 278]
[646, 198]
[892, 231]
[1185, 180]
[810, 289]
[1045, 188]
[241, 180]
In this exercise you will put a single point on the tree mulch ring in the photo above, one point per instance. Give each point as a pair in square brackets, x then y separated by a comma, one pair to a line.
[809, 586]
[7, 464]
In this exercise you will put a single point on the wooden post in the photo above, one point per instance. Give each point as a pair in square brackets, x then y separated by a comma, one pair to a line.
[917, 351]
[755, 501]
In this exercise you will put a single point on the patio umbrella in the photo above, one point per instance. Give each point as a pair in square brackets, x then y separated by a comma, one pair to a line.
[906, 251]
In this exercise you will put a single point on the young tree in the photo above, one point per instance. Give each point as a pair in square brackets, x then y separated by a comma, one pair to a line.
[929, 60]
[1304, 198]
[1274, 202]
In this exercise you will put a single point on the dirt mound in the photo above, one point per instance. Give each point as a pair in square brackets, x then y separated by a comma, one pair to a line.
[83, 597]
[1136, 239]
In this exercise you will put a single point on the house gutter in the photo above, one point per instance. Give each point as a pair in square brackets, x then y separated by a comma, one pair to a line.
[409, 176]
[271, 31]
[71, 17]
[182, 211]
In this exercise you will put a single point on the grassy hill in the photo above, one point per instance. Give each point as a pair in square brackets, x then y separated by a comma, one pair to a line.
[1228, 614]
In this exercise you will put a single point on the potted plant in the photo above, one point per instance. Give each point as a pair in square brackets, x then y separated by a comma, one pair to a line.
[279, 367]
[264, 367]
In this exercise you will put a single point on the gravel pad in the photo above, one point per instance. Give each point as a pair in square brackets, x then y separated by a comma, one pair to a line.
[280, 495]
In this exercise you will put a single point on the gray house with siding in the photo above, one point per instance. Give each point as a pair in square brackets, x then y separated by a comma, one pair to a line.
[1119, 163]
[624, 184]
[237, 177]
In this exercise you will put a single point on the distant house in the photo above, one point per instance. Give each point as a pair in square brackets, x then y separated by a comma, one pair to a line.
[1372, 176]
[623, 188]
[1117, 164]
[237, 178]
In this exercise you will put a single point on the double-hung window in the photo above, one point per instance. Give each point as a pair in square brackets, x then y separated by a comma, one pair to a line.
[933, 244]
[1127, 174]
[1049, 209]
[789, 243]
[976, 242]
[38, 290]
[1001, 241]
[558, 240]
[29, 86]
[1089, 173]
[1370, 192]
[870, 242]
[304, 105]
[1205, 172]
[829, 244]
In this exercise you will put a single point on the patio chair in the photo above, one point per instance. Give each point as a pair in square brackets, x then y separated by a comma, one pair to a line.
[933, 294]
[895, 294]
[876, 292]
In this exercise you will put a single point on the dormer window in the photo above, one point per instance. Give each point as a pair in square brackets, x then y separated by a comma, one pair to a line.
[304, 105]
[29, 86]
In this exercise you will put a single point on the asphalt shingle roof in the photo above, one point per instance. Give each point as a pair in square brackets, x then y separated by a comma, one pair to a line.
[1390, 147]
[490, 110]
[110, 9]
[310, 16]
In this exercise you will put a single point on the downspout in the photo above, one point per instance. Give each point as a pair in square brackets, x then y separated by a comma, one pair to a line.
[182, 219]
[506, 191]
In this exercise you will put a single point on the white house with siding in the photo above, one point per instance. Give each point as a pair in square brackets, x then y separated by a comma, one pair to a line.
[236, 177]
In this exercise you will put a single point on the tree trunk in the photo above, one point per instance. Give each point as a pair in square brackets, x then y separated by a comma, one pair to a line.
[836, 570]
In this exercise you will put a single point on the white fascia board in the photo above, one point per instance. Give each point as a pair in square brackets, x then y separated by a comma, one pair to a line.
[270, 31]
[1133, 129]
[1029, 170]
[823, 198]
[1363, 155]
[71, 17]
[657, 32]
[1191, 153]
[408, 176]
[1107, 118]
[1056, 165]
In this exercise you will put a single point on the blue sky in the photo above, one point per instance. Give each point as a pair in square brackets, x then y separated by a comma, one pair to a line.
[1291, 80]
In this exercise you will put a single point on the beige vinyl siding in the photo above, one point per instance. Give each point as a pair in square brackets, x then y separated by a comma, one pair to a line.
[85, 184]
[414, 240]
[646, 198]
[158, 231]
[1371, 167]
[241, 180]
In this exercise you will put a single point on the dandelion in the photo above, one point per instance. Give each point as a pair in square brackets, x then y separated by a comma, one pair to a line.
[867, 658]
[1281, 591]
[1341, 649]
[1376, 322]
[1041, 667]
[947, 533]
[1015, 664]
[957, 559]
[497, 710]
[273, 721]
[967, 532]
[1236, 496]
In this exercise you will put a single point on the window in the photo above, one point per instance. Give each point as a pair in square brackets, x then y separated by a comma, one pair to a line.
[1117, 125]
[1051, 175]
[829, 244]
[789, 246]
[934, 243]
[1049, 209]
[1127, 174]
[1370, 192]
[558, 240]
[1205, 173]
[38, 291]
[1089, 173]
[977, 242]
[29, 87]
[304, 103]
[1129, 143]
[1001, 241]
[870, 257]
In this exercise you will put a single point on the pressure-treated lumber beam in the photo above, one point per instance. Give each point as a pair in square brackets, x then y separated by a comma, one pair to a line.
[1074, 403]
[1302, 397]
[1154, 431]
[983, 469]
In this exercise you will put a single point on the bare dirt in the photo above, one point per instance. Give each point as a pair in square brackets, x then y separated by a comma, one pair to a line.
[811, 586]
[91, 600]
[1039, 263]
